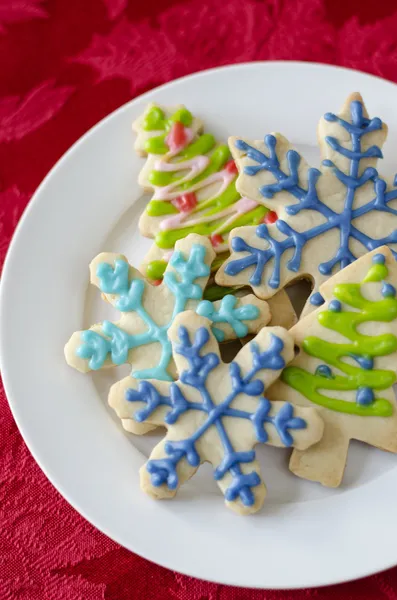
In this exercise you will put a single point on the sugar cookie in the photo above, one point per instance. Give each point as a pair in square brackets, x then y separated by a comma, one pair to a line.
[347, 366]
[216, 412]
[328, 217]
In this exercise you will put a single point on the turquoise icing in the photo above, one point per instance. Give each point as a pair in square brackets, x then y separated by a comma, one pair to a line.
[114, 343]
[227, 313]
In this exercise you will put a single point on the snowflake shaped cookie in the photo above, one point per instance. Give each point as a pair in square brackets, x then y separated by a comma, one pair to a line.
[216, 412]
[328, 217]
[140, 336]
[347, 366]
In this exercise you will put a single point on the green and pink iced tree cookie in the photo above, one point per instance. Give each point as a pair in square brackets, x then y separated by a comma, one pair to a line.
[193, 178]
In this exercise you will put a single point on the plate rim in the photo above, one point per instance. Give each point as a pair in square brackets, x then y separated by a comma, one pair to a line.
[7, 273]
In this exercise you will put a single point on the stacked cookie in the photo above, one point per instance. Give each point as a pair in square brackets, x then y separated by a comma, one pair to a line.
[262, 220]
[192, 179]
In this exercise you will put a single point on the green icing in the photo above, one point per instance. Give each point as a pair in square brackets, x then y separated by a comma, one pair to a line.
[215, 205]
[158, 208]
[183, 116]
[155, 120]
[155, 269]
[363, 348]
[161, 178]
[216, 162]
[308, 384]
[167, 239]
[376, 273]
[218, 159]
[252, 217]
[201, 146]
[156, 145]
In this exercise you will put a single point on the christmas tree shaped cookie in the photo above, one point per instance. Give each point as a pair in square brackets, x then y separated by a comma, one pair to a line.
[328, 217]
[192, 178]
[347, 366]
[153, 125]
[140, 336]
[216, 413]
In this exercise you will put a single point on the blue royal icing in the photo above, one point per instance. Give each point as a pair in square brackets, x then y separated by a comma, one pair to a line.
[388, 290]
[324, 371]
[365, 396]
[307, 199]
[335, 306]
[379, 259]
[115, 343]
[365, 362]
[316, 299]
[164, 470]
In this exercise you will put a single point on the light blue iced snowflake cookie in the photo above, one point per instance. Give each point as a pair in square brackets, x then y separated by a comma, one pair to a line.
[327, 217]
[140, 336]
[216, 412]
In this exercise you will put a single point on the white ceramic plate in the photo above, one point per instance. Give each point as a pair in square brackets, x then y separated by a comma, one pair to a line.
[305, 535]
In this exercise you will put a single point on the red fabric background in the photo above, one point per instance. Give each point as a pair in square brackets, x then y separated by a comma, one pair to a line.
[64, 65]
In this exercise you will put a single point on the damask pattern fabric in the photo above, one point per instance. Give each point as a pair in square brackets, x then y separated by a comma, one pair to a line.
[65, 64]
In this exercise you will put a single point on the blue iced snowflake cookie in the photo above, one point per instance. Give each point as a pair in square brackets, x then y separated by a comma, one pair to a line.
[216, 412]
[140, 336]
[327, 217]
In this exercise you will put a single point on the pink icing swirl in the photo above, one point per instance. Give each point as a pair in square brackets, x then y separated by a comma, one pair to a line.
[244, 205]
[195, 166]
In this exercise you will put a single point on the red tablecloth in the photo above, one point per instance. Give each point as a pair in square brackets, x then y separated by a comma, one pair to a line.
[65, 64]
